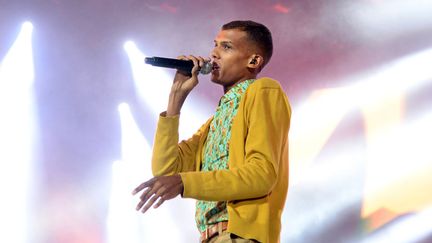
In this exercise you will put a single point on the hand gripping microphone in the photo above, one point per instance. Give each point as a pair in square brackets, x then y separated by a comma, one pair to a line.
[182, 65]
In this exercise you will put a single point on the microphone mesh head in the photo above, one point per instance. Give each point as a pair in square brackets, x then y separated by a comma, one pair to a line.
[206, 68]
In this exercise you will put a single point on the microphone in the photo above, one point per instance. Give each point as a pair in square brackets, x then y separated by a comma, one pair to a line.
[182, 65]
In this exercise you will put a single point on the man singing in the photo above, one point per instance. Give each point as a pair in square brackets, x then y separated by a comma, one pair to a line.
[236, 164]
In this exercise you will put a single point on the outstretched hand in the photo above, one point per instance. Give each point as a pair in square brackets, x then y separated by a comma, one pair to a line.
[160, 187]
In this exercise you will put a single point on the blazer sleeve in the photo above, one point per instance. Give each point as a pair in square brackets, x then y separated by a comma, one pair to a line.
[268, 119]
[169, 156]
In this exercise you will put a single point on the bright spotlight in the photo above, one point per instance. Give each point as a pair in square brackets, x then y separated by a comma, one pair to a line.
[385, 20]
[129, 46]
[27, 26]
[408, 228]
[17, 137]
[370, 91]
[395, 156]
[153, 85]
[124, 223]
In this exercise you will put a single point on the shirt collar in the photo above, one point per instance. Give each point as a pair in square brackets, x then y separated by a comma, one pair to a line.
[235, 91]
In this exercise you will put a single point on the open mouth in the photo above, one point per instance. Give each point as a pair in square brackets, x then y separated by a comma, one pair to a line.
[215, 66]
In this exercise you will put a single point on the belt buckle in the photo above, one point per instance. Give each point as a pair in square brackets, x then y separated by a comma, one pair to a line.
[209, 231]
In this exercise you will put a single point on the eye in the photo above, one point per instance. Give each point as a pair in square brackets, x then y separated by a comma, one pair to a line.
[226, 46]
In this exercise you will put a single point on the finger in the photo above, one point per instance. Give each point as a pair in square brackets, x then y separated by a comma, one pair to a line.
[143, 198]
[161, 195]
[161, 191]
[196, 67]
[182, 57]
[201, 61]
[139, 205]
[148, 193]
[157, 191]
[139, 188]
[149, 203]
[194, 59]
[161, 200]
[143, 185]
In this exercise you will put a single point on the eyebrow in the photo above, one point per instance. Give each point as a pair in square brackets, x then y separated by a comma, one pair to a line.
[223, 42]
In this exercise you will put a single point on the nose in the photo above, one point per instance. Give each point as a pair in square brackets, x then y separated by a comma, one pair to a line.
[214, 54]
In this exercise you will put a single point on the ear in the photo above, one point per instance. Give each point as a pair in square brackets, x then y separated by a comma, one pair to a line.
[256, 61]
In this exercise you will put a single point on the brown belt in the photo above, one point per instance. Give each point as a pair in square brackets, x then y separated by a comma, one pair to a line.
[214, 229]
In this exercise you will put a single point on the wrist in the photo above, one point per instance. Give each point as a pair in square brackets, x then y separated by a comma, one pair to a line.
[175, 103]
[181, 184]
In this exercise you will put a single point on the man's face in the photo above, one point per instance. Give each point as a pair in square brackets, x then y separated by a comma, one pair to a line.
[231, 55]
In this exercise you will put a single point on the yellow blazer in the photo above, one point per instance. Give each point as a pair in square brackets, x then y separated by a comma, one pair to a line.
[256, 183]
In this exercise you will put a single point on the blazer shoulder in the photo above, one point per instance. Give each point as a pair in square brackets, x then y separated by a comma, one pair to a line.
[266, 83]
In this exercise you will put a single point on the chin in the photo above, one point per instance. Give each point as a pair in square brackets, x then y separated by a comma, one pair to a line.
[215, 79]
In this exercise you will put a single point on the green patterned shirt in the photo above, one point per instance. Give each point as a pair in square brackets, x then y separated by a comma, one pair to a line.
[216, 152]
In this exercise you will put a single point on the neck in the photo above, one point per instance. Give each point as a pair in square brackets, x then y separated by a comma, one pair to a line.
[228, 87]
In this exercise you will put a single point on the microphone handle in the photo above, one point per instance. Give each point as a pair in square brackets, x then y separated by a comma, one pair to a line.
[183, 65]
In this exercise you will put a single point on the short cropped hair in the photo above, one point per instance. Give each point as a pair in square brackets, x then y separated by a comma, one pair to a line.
[257, 33]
